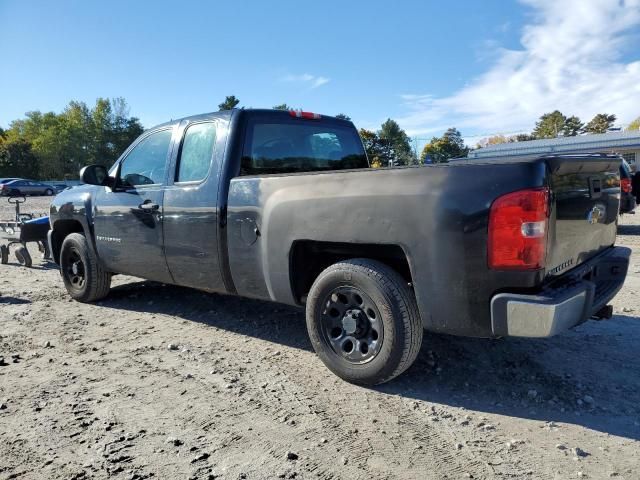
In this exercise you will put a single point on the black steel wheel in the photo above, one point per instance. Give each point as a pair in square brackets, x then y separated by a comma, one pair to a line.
[363, 321]
[4, 254]
[23, 256]
[74, 268]
[83, 276]
[352, 324]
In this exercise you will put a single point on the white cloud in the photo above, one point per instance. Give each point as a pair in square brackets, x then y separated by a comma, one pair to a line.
[570, 60]
[312, 81]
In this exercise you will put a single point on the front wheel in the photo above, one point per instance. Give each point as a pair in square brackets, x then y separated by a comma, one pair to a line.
[363, 321]
[83, 276]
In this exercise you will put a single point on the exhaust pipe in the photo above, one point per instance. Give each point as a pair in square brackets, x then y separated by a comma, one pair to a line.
[605, 313]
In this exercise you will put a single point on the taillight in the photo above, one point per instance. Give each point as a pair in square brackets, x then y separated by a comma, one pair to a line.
[307, 115]
[518, 224]
[625, 185]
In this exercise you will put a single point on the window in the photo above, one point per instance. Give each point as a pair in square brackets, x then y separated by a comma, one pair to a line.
[147, 162]
[630, 157]
[300, 146]
[196, 152]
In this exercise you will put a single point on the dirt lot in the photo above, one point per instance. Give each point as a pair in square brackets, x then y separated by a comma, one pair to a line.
[95, 391]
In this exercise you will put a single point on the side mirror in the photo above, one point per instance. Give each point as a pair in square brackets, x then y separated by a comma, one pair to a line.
[96, 175]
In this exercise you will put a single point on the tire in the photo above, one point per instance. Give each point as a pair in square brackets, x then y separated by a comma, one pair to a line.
[48, 192]
[23, 256]
[378, 309]
[83, 276]
[4, 254]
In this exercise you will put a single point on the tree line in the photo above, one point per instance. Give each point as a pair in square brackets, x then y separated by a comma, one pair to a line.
[56, 145]
[556, 124]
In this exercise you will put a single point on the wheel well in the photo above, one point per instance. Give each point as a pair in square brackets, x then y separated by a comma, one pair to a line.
[309, 258]
[62, 228]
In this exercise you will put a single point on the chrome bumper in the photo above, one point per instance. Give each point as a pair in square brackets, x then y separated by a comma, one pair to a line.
[565, 302]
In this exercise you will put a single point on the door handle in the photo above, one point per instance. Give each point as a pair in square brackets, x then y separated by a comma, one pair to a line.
[149, 206]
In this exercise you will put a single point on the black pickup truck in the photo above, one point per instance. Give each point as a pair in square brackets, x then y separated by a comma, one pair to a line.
[283, 206]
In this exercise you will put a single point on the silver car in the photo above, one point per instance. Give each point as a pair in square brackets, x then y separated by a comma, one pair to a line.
[26, 187]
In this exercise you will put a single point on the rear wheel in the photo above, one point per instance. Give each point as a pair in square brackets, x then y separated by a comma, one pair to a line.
[48, 192]
[83, 276]
[4, 254]
[363, 321]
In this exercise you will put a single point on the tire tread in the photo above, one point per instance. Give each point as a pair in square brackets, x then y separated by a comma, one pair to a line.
[99, 280]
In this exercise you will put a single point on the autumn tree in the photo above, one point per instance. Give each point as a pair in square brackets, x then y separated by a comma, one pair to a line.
[379, 151]
[441, 149]
[634, 125]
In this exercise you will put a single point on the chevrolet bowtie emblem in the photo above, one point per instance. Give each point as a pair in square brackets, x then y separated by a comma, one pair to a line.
[595, 214]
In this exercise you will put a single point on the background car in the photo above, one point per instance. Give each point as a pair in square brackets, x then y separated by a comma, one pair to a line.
[7, 180]
[627, 199]
[26, 187]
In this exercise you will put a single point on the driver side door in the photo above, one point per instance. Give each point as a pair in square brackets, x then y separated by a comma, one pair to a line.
[128, 220]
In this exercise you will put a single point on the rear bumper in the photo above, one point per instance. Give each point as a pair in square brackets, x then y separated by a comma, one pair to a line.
[565, 302]
[627, 203]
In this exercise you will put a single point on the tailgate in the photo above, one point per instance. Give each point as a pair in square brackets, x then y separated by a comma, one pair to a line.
[585, 201]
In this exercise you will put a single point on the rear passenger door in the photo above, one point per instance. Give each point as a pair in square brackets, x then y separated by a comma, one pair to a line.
[191, 207]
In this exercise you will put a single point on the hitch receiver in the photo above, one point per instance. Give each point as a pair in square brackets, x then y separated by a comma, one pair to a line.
[605, 313]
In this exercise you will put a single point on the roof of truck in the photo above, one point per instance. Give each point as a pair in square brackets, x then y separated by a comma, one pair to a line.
[228, 113]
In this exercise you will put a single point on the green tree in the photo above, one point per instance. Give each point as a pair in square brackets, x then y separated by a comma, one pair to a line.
[17, 159]
[634, 125]
[62, 143]
[572, 126]
[521, 137]
[441, 149]
[342, 116]
[398, 142]
[282, 106]
[550, 125]
[230, 102]
[600, 123]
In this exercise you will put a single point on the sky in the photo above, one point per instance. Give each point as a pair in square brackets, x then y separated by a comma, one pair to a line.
[484, 67]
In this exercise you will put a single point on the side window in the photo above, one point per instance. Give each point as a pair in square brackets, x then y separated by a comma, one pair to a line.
[196, 152]
[146, 164]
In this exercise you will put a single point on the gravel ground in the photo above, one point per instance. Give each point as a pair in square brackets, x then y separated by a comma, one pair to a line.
[158, 381]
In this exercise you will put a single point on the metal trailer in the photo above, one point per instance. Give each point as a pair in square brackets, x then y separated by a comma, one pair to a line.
[22, 229]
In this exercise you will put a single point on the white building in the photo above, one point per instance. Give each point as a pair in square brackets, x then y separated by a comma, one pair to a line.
[626, 144]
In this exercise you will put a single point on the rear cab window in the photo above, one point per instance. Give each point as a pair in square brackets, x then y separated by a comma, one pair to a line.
[279, 143]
